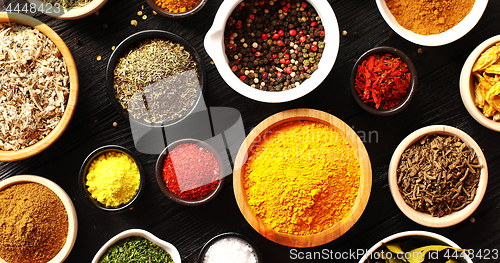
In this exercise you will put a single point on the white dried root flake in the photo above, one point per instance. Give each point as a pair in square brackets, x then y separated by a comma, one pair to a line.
[34, 86]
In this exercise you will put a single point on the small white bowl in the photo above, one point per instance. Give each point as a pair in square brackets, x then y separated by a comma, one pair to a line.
[214, 45]
[421, 236]
[444, 38]
[467, 81]
[424, 218]
[140, 233]
[68, 14]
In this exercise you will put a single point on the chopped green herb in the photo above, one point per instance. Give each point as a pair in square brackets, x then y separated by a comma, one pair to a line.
[134, 250]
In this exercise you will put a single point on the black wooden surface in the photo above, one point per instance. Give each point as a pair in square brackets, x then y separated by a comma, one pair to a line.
[437, 101]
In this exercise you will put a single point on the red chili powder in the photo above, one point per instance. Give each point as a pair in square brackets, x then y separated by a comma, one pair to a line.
[191, 171]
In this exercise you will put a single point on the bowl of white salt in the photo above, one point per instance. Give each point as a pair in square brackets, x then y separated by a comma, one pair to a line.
[230, 248]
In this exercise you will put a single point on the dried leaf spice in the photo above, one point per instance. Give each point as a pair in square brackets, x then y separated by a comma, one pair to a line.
[438, 175]
[69, 3]
[34, 86]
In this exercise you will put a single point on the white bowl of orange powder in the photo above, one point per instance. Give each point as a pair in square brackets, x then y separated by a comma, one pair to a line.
[431, 23]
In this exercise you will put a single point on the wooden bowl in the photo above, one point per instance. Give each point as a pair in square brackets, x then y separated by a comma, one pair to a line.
[423, 218]
[68, 13]
[6, 156]
[467, 81]
[176, 257]
[161, 183]
[423, 237]
[334, 231]
[410, 91]
[68, 205]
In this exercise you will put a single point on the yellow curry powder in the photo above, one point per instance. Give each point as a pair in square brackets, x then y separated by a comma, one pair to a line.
[301, 178]
[177, 6]
[113, 179]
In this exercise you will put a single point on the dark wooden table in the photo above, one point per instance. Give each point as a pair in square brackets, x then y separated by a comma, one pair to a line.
[437, 101]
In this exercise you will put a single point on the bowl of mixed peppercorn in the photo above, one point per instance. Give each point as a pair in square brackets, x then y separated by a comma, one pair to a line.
[271, 51]
[383, 81]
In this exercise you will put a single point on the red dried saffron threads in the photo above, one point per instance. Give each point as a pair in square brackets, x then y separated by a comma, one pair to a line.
[382, 80]
[191, 171]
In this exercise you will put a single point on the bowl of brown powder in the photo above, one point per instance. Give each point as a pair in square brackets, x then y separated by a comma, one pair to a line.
[431, 23]
[438, 176]
[40, 86]
[38, 219]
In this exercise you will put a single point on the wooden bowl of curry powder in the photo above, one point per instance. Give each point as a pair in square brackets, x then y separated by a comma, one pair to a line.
[38, 219]
[302, 178]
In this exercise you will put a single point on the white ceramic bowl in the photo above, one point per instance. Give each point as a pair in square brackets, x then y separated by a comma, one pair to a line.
[421, 236]
[68, 205]
[444, 38]
[467, 81]
[424, 218]
[141, 233]
[214, 45]
[71, 13]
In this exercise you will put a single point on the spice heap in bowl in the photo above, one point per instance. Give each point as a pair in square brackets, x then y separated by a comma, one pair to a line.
[38, 220]
[434, 22]
[176, 9]
[324, 174]
[136, 245]
[40, 86]
[438, 176]
[112, 178]
[271, 50]
[229, 248]
[145, 89]
[189, 172]
[67, 9]
[480, 83]
[383, 81]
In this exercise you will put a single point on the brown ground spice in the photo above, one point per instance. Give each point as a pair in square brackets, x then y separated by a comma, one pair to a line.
[33, 223]
[427, 17]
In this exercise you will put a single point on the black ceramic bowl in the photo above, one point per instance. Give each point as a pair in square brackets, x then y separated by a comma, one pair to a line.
[207, 245]
[411, 88]
[135, 39]
[161, 183]
[163, 12]
[84, 170]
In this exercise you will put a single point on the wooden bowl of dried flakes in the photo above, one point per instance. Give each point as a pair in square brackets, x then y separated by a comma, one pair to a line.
[438, 176]
[53, 99]
[68, 10]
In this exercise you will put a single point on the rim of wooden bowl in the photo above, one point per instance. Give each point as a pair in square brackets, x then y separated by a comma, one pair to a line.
[71, 13]
[171, 249]
[451, 35]
[65, 199]
[334, 231]
[6, 156]
[467, 85]
[423, 218]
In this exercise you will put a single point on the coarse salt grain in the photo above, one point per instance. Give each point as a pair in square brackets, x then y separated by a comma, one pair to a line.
[230, 250]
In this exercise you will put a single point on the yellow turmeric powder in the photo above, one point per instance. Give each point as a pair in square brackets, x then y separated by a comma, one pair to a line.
[301, 178]
[177, 6]
[113, 179]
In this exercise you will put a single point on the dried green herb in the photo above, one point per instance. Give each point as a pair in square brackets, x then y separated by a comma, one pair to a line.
[135, 249]
[157, 81]
[438, 175]
[69, 3]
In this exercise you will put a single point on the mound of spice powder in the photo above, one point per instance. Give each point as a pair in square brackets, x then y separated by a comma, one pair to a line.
[177, 6]
[33, 223]
[427, 17]
[274, 45]
[302, 178]
[191, 171]
[382, 81]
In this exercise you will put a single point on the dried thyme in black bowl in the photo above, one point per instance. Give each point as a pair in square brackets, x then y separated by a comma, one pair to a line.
[438, 175]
